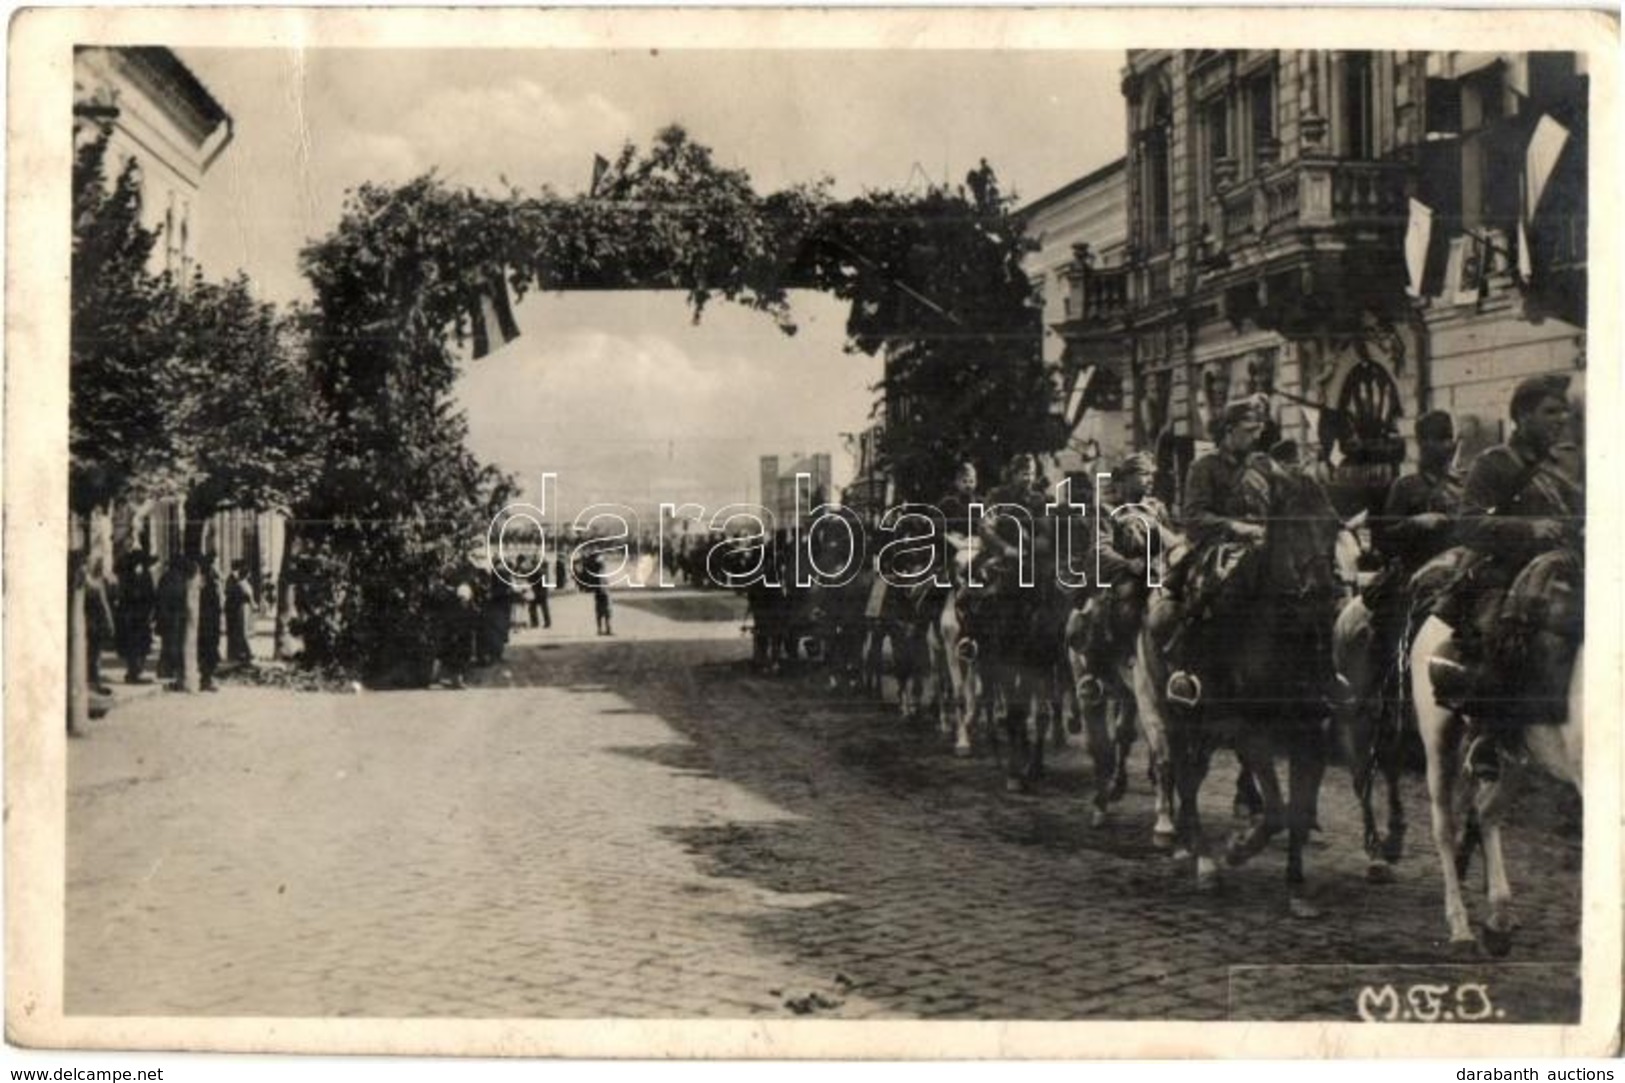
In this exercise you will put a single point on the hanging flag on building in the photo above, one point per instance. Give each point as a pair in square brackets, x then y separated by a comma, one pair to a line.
[600, 166]
[1418, 240]
[492, 316]
[1546, 145]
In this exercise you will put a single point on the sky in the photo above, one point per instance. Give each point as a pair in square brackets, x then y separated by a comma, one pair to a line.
[622, 395]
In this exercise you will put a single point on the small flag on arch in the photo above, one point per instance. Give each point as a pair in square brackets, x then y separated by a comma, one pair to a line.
[492, 317]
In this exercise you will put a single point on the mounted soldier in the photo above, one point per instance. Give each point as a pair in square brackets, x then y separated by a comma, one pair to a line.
[1522, 520]
[1417, 525]
[1222, 518]
[1132, 527]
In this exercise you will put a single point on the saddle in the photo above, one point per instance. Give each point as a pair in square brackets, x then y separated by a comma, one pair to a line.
[1518, 641]
[1219, 573]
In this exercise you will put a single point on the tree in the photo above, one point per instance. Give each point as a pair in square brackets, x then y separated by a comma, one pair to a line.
[199, 394]
[118, 442]
[936, 286]
[116, 345]
[242, 415]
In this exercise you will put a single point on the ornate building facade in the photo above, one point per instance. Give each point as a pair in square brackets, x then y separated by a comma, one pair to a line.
[1271, 199]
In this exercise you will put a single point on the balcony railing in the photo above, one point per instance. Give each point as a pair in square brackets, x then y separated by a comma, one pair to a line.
[1099, 294]
[1314, 193]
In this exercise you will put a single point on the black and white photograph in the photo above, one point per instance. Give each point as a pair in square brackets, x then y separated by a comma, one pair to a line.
[611, 517]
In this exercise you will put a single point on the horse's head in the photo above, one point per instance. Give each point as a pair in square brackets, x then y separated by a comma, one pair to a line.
[1302, 530]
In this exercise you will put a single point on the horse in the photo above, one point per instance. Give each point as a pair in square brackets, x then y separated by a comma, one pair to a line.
[1267, 686]
[1373, 712]
[1101, 643]
[1554, 740]
[1009, 636]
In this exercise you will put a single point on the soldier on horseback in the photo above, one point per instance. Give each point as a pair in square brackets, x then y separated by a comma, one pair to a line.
[1220, 510]
[1417, 524]
[1519, 508]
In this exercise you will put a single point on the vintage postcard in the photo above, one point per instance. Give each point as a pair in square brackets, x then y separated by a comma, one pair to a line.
[813, 533]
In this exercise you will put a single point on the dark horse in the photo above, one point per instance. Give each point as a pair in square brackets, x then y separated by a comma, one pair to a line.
[1265, 665]
[1013, 627]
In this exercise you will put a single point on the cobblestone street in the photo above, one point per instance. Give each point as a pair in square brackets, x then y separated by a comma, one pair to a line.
[641, 826]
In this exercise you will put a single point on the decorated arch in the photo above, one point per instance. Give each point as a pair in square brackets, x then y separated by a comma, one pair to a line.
[416, 277]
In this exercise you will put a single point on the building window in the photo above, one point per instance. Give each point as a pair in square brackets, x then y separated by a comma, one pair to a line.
[1156, 198]
[1358, 112]
[1261, 122]
[1215, 144]
[1490, 161]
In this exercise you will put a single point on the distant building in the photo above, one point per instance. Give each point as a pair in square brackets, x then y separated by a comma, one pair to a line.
[871, 491]
[778, 485]
[162, 116]
[1079, 270]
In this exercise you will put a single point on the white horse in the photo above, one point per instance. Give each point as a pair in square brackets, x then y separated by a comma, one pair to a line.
[1557, 748]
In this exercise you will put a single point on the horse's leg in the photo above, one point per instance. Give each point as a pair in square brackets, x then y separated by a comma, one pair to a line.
[1441, 737]
[1308, 770]
[1256, 755]
[1357, 727]
[1249, 801]
[1124, 718]
[1061, 699]
[1501, 923]
[1390, 757]
[1092, 712]
[1192, 756]
[972, 692]
[1149, 708]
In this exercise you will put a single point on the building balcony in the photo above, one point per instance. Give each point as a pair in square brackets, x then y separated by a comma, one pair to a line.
[1097, 295]
[1312, 193]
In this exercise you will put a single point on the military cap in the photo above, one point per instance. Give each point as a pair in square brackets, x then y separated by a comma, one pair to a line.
[1240, 412]
[1435, 425]
[1528, 394]
[1138, 465]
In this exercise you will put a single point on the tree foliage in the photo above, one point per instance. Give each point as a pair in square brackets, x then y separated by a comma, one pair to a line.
[936, 286]
[118, 439]
[198, 393]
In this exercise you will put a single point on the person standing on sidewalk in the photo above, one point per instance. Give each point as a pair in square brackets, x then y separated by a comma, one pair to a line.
[171, 617]
[538, 598]
[99, 632]
[239, 615]
[137, 599]
[208, 624]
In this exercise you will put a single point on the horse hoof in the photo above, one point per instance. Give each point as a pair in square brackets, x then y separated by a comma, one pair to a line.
[1162, 840]
[1015, 785]
[962, 751]
[1207, 876]
[1243, 849]
[1097, 818]
[1118, 789]
[1379, 872]
[1180, 853]
[1462, 948]
[1301, 908]
[1497, 942]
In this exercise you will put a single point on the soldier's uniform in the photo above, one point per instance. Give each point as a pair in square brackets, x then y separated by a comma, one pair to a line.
[1407, 544]
[1511, 489]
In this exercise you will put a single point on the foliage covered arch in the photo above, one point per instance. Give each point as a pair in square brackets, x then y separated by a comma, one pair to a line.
[932, 278]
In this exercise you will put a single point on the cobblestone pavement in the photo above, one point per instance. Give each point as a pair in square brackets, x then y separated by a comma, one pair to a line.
[640, 826]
